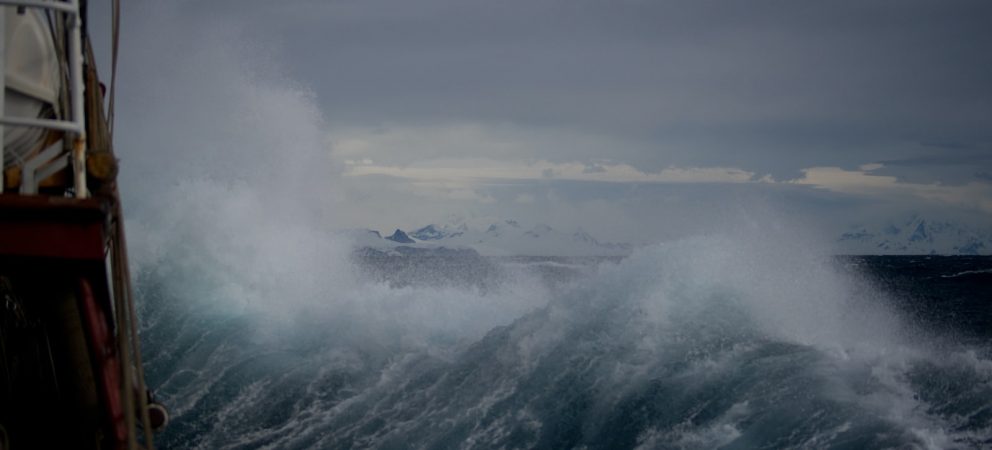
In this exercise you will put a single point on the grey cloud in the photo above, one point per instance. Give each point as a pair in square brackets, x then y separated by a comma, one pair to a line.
[955, 145]
[781, 85]
[949, 167]
[850, 70]
[767, 86]
[970, 159]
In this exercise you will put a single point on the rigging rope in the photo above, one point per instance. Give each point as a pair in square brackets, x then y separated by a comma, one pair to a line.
[115, 23]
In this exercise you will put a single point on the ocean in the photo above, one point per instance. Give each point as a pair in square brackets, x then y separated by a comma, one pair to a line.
[700, 343]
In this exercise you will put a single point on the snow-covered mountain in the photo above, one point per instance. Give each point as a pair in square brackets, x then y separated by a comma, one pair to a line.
[503, 238]
[916, 236]
[401, 237]
[435, 233]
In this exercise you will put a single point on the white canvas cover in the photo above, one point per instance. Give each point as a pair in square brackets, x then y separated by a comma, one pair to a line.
[31, 77]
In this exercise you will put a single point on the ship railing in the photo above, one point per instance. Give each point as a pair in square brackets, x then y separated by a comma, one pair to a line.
[54, 159]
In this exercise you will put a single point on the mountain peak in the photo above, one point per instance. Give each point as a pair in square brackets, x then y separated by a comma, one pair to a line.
[920, 233]
[538, 230]
[498, 228]
[433, 233]
[401, 237]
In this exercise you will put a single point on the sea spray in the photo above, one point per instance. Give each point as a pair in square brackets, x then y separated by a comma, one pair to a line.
[670, 348]
[259, 331]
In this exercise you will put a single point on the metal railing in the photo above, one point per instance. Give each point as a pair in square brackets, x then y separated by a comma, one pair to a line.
[40, 166]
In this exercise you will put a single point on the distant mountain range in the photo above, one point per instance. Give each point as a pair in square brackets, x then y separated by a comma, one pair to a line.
[503, 238]
[916, 236]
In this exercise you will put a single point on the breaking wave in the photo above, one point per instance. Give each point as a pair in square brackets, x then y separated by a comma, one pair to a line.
[261, 331]
[700, 343]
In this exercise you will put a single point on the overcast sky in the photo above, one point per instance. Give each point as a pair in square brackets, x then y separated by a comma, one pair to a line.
[637, 120]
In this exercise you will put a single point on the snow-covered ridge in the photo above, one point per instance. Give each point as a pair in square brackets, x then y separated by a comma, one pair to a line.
[916, 236]
[502, 238]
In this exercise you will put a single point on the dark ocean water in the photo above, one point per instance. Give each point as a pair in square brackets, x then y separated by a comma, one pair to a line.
[685, 345]
[939, 293]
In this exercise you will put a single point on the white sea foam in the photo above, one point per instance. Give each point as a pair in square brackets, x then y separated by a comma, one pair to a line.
[966, 273]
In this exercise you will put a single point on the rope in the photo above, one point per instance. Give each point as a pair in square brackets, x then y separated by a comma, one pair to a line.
[130, 346]
[115, 45]
[124, 274]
